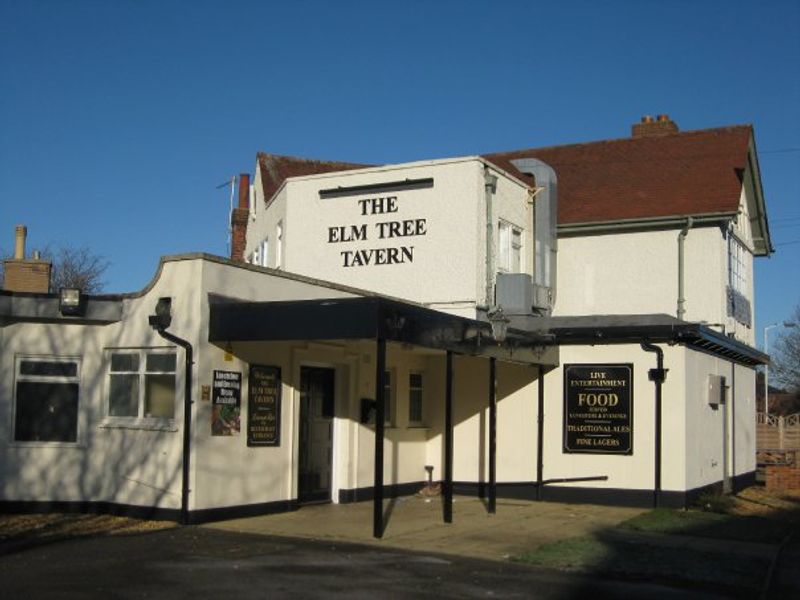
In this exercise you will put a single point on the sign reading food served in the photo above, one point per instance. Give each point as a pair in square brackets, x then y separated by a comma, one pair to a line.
[264, 406]
[598, 409]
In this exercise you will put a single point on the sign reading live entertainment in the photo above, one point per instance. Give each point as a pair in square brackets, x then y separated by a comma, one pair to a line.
[226, 402]
[387, 228]
[264, 406]
[598, 409]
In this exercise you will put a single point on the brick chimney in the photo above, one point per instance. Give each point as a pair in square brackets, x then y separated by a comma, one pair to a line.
[22, 275]
[239, 218]
[650, 127]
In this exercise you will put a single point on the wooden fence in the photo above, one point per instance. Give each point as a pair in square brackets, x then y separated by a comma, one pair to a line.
[778, 433]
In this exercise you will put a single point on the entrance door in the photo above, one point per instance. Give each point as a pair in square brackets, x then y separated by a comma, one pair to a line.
[316, 434]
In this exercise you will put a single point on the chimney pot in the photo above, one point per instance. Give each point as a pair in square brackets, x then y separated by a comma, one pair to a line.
[650, 127]
[20, 233]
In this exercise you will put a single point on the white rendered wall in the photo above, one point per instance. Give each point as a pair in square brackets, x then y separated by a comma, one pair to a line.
[635, 471]
[442, 263]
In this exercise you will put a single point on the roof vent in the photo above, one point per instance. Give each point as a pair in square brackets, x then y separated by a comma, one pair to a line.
[650, 127]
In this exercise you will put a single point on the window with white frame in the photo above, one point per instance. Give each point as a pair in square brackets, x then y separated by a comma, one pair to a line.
[387, 397]
[415, 398]
[46, 399]
[737, 265]
[264, 252]
[279, 245]
[509, 248]
[142, 384]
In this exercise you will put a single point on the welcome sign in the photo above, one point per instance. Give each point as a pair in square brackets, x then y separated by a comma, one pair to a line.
[598, 409]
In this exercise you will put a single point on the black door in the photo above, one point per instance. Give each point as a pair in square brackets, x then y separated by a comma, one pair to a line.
[316, 434]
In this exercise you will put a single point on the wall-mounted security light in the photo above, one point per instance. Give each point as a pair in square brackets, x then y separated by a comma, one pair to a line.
[70, 302]
[163, 317]
[499, 323]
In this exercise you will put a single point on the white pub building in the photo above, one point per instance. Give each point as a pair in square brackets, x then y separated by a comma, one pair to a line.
[570, 323]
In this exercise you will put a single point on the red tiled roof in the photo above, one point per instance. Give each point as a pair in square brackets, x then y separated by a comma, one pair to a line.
[689, 173]
[275, 169]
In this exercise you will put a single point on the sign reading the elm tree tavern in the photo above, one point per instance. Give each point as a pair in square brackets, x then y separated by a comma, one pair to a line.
[264, 406]
[598, 409]
[387, 228]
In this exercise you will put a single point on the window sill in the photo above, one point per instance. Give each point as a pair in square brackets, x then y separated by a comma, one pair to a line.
[140, 424]
[419, 427]
[20, 444]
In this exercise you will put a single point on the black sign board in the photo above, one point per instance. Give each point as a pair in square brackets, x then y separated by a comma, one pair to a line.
[264, 406]
[226, 402]
[598, 409]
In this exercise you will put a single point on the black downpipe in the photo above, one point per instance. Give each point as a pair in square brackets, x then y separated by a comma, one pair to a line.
[540, 437]
[187, 419]
[733, 426]
[492, 435]
[380, 417]
[657, 376]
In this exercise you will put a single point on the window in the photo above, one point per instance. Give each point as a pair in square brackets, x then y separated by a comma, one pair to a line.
[509, 248]
[142, 384]
[46, 402]
[415, 398]
[265, 252]
[387, 397]
[279, 245]
[737, 265]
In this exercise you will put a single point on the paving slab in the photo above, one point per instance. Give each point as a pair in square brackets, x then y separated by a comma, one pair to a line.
[416, 523]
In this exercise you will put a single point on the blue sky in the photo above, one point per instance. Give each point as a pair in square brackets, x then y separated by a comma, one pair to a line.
[119, 119]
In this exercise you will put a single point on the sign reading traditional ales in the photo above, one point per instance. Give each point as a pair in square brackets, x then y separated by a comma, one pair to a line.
[264, 406]
[598, 409]
[226, 401]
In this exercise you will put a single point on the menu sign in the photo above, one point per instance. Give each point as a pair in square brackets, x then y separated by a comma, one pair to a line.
[226, 402]
[598, 409]
[264, 406]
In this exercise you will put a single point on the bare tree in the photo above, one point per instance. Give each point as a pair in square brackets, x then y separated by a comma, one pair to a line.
[73, 267]
[786, 357]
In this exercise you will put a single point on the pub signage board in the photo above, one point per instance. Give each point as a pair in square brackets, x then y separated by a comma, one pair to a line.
[598, 408]
[226, 403]
[264, 406]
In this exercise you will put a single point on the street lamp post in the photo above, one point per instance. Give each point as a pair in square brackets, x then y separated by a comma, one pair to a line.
[766, 366]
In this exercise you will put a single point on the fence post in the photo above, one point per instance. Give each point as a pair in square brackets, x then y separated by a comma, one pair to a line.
[780, 433]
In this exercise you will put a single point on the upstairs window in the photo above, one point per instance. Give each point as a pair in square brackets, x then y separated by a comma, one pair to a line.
[737, 266]
[142, 384]
[509, 248]
[264, 253]
[46, 400]
[279, 245]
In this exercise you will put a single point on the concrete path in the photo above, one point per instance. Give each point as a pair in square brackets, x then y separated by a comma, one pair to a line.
[416, 523]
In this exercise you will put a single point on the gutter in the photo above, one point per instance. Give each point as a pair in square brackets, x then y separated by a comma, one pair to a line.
[644, 223]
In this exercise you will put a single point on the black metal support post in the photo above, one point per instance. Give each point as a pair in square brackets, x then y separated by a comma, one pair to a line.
[492, 435]
[448, 441]
[380, 415]
[187, 420]
[540, 437]
[657, 376]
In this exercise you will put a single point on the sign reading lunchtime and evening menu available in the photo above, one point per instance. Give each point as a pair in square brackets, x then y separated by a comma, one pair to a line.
[226, 400]
[598, 409]
[264, 406]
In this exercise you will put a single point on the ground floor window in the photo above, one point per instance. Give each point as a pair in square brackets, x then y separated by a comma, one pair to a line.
[142, 384]
[46, 399]
[415, 398]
